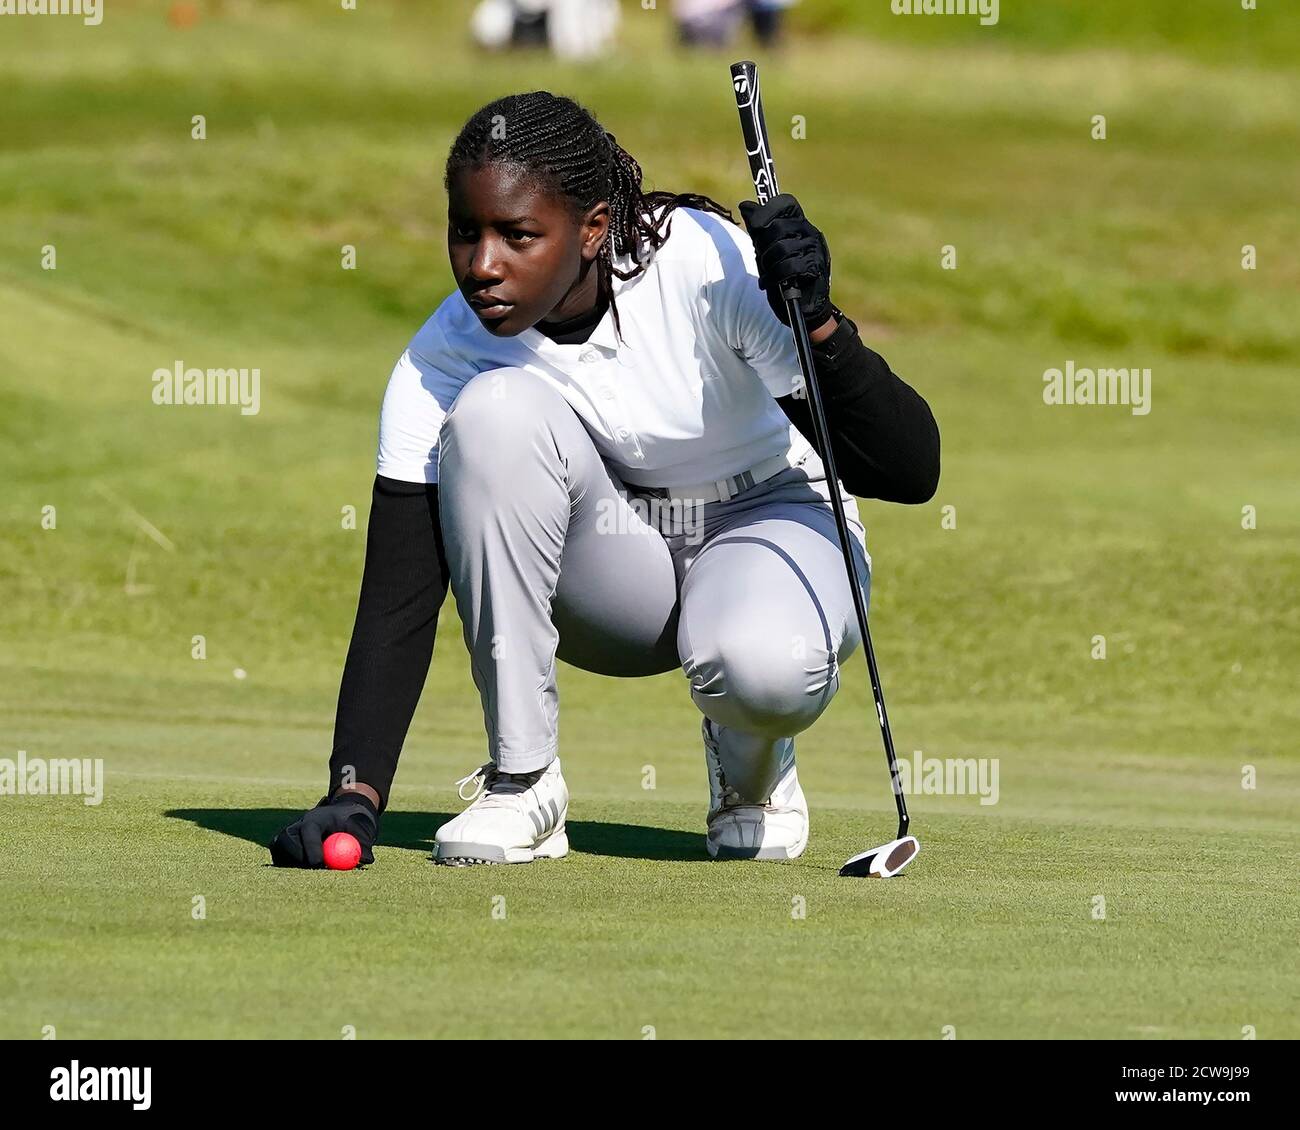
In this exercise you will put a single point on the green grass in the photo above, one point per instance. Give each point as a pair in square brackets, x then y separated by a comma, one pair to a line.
[1119, 778]
[1213, 30]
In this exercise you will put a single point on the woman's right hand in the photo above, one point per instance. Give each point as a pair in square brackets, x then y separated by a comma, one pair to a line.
[300, 844]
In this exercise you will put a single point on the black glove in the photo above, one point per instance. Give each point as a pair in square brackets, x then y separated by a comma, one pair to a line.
[790, 249]
[299, 844]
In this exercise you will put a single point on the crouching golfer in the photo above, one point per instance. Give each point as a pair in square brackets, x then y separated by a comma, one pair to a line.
[602, 442]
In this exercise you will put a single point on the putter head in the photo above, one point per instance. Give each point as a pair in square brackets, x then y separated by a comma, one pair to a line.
[883, 862]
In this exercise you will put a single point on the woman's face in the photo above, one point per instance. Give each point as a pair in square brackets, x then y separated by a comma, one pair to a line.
[519, 255]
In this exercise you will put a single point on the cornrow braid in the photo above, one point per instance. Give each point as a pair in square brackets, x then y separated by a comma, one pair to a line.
[564, 147]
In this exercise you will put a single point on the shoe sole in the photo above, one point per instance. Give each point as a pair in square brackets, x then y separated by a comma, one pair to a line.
[768, 854]
[454, 854]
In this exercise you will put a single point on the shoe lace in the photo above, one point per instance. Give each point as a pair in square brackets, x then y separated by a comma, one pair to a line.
[500, 788]
[477, 779]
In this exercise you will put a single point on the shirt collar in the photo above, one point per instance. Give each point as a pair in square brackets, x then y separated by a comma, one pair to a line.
[603, 336]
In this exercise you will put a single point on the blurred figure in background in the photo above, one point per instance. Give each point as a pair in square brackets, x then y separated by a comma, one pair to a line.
[573, 29]
[715, 23]
[583, 29]
[707, 23]
[766, 17]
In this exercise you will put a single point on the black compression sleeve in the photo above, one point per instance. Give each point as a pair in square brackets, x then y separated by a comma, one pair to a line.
[402, 588]
[883, 435]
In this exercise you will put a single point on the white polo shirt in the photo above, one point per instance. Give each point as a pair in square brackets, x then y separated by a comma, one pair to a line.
[686, 397]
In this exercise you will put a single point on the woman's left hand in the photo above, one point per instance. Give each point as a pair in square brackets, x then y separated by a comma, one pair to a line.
[790, 249]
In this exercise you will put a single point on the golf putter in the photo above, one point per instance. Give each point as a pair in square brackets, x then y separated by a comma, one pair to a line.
[889, 859]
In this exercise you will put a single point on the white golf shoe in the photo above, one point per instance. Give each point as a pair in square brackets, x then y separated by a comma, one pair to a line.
[773, 827]
[514, 818]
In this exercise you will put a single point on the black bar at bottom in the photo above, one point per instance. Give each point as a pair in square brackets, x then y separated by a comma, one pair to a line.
[310, 1080]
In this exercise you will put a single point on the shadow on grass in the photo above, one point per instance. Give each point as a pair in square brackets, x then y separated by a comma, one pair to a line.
[414, 831]
[635, 841]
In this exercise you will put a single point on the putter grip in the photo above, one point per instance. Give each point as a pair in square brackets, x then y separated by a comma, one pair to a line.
[749, 103]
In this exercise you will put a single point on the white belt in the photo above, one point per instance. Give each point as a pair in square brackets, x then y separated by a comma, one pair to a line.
[720, 490]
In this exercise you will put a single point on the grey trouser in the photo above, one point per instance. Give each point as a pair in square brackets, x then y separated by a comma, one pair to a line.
[551, 555]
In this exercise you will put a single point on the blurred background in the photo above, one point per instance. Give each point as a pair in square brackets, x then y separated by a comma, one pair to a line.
[128, 244]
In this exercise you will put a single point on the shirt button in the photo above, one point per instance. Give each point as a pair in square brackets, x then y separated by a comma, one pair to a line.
[607, 392]
[623, 435]
[589, 355]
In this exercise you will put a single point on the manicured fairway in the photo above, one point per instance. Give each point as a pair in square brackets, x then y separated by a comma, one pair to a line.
[1120, 779]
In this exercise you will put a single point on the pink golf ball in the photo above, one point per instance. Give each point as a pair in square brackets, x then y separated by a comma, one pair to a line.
[342, 851]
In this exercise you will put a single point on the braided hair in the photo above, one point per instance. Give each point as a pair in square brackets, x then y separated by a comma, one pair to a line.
[562, 146]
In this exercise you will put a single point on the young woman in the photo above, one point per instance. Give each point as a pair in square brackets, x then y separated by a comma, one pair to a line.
[602, 442]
